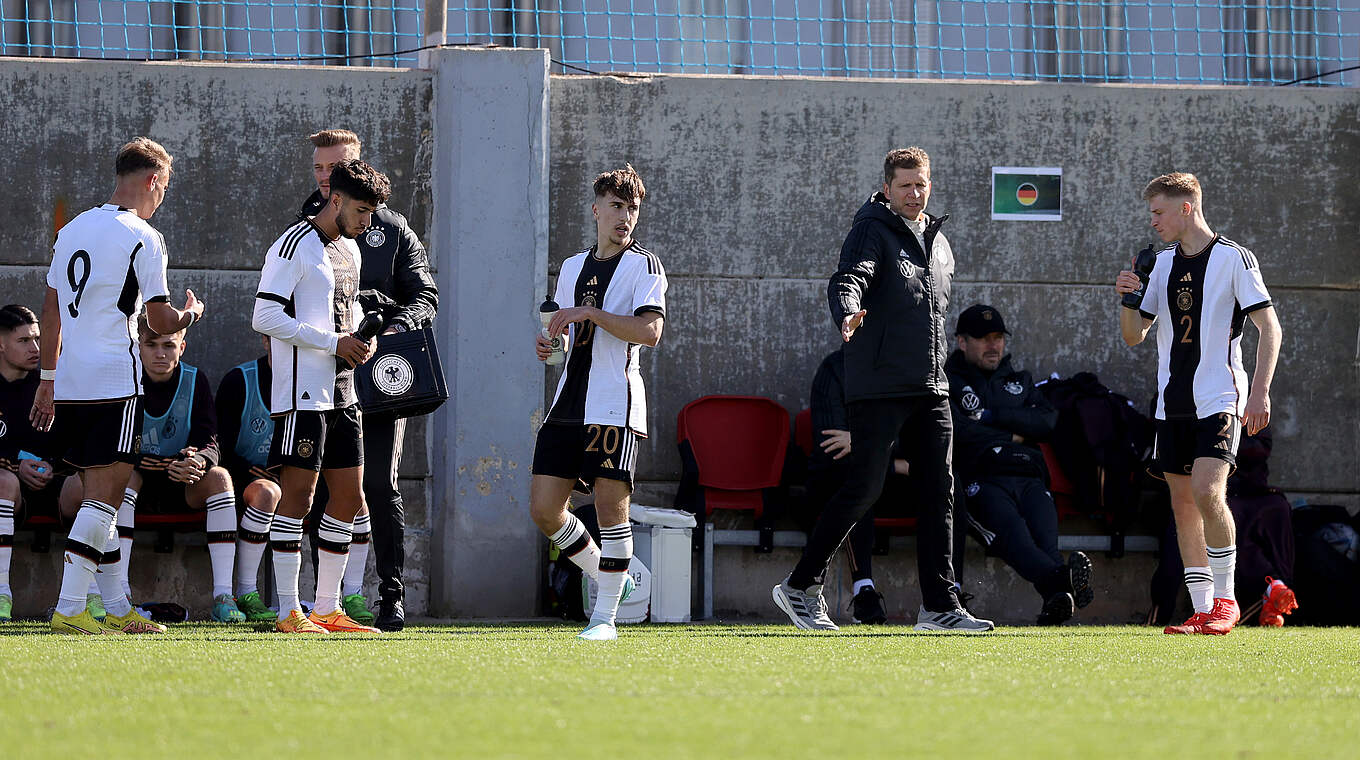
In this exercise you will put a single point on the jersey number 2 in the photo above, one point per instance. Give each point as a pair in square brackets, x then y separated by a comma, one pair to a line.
[77, 283]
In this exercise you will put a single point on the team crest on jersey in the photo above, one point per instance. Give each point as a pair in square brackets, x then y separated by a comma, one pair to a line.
[1014, 388]
[258, 425]
[1184, 300]
[305, 448]
[589, 300]
[168, 429]
[973, 489]
[136, 444]
[375, 237]
[969, 401]
[393, 375]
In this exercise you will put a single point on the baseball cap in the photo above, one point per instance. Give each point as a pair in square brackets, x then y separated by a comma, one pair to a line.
[979, 320]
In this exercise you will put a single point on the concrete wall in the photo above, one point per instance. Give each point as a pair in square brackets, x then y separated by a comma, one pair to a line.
[752, 184]
[242, 169]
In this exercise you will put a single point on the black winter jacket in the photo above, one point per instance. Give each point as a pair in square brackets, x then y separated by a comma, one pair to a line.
[901, 347]
[395, 272]
[1012, 405]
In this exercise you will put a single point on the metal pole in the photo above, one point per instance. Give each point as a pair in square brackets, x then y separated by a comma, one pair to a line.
[436, 28]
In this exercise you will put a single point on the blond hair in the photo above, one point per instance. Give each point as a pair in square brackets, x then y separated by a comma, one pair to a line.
[1176, 185]
[328, 138]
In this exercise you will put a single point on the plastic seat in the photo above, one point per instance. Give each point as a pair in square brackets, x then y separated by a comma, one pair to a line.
[738, 444]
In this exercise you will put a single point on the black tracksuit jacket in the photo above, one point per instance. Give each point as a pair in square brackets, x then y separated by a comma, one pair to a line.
[986, 449]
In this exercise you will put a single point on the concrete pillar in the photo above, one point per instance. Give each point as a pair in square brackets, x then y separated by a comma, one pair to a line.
[490, 233]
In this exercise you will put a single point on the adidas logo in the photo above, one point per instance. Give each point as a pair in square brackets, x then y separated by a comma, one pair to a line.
[608, 464]
[306, 395]
[593, 281]
[1187, 278]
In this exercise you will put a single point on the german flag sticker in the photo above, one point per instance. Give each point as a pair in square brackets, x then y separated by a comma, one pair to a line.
[1026, 194]
[1032, 193]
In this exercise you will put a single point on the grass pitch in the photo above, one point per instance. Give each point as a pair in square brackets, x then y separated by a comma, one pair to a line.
[534, 691]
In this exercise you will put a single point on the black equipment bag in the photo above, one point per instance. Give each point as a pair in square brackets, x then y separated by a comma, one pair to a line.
[404, 378]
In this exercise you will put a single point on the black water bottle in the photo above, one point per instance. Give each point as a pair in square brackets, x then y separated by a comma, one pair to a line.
[368, 329]
[1142, 266]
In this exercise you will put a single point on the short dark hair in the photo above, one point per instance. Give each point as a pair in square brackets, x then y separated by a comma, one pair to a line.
[139, 154]
[623, 183]
[356, 179]
[16, 315]
[905, 158]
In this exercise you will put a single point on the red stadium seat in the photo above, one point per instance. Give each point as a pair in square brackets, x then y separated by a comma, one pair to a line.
[738, 444]
[1060, 486]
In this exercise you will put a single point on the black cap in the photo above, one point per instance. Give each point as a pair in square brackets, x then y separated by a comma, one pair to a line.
[979, 320]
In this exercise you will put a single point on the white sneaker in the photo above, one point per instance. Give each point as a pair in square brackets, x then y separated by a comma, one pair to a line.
[806, 609]
[955, 621]
[599, 632]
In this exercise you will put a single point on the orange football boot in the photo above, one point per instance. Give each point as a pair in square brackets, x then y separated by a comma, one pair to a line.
[339, 622]
[1222, 617]
[1277, 602]
[1194, 625]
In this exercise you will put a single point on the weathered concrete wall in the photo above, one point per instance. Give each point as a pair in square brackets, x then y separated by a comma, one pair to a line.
[242, 169]
[752, 184]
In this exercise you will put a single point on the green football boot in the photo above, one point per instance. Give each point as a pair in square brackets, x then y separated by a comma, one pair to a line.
[6, 608]
[94, 604]
[253, 607]
[356, 606]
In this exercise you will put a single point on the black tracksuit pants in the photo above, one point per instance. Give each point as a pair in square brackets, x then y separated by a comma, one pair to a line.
[1018, 522]
[925, 430]
[383, 438]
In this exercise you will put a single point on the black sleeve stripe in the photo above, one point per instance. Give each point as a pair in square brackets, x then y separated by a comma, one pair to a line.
[273, 297]
[1147, 315]
[158, 299]
[639, 311]
[1248, 258]
[1257, 307]
[292, 237]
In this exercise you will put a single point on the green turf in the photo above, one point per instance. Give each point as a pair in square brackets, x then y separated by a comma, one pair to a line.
[682, 691]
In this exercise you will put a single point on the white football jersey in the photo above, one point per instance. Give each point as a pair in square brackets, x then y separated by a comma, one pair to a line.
[1200, 303]
[602, 383]
[105, 262]
[306, 302]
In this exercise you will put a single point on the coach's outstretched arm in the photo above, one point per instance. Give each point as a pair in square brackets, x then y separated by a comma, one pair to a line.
[1267, 353]
[854, 275]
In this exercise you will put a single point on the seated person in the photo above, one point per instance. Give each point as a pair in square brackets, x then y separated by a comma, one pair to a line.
[179, 462]
[246, 430]
[826, 465]
[999, 419]
[26, 474]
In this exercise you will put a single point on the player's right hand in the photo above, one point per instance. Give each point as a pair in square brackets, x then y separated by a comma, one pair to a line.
[1126, 282]
[35, 474]
[852, 323]
[352, 350]
[43, 411]
[192, 304]
[542, 347]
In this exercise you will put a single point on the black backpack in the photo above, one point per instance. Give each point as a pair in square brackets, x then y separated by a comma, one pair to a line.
[1326, 582]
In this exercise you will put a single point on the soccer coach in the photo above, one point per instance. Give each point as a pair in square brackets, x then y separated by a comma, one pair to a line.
[888, 298]
[395, 280]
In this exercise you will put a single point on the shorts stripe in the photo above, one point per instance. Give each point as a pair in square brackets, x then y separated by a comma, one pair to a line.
[128, 429]
[289, 428]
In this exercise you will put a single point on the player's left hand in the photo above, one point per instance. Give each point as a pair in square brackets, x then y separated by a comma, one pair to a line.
[564, 317]
[44, 411]
[1258, 412]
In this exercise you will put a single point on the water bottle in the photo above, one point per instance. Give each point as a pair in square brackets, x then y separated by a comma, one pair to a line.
[1142, 267]
[546, 310]
[368, 329]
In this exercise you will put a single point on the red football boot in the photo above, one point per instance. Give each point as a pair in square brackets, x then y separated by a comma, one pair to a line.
[1194, 625]
[1277, 602]
[1222, 617]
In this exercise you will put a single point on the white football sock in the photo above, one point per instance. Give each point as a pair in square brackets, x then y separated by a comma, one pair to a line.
[110, 583]
[127, 520]
[84, 549]
[1200, 582]
[333, 538]
[577, 545]
[353, 582]
[6, 543]
[615, 552]
[251, 541]
[1223, 563]
[285, 541]
[221, 526]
